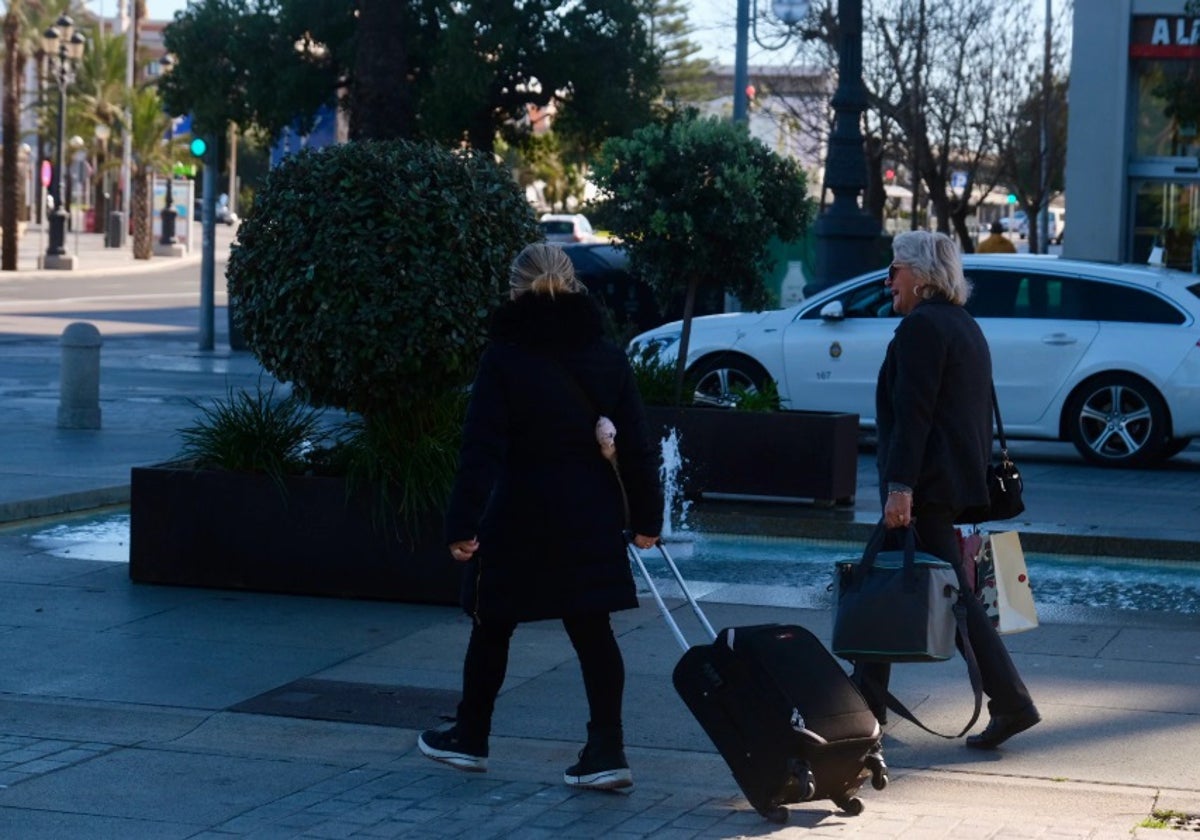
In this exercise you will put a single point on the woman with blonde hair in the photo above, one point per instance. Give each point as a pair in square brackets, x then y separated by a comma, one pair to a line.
[537, 512]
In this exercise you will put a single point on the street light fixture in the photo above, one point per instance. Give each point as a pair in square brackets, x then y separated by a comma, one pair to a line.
[846, 234]
[788, 12]
[63, 47]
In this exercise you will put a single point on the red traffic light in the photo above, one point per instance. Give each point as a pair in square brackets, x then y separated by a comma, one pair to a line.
[750, 91]
[890, 175]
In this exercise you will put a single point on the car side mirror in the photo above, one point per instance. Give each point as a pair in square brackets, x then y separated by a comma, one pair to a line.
[833, 311]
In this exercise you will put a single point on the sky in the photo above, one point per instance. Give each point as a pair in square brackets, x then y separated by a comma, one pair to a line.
[713, 21]
[157, 9]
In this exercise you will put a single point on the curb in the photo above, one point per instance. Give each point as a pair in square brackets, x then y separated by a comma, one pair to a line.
[801, 522]
[739, 518]
[83, 501]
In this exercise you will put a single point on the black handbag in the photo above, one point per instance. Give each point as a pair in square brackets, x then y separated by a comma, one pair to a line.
[895, 606]
[1004, 484]
[903, 606]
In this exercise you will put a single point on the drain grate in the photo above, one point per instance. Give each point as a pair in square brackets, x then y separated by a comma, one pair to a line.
[402, 706]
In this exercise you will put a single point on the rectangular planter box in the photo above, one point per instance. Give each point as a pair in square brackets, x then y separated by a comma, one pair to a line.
[795, 454]
[231, 530]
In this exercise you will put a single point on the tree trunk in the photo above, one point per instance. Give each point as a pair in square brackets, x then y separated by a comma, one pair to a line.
[143, 245]
[380, 100]
[685, 337]
[9, 179]
[876, 196]
[958, 219]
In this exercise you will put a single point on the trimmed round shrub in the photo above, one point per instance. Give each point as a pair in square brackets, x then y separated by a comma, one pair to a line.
[366, 271]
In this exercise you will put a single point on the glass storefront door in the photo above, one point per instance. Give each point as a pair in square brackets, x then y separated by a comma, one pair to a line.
[1167, 213]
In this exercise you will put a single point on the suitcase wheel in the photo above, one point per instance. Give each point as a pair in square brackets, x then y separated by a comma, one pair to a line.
[777, 815]
[808, 787]
[874, 762]
[805, 780]
[852, 805]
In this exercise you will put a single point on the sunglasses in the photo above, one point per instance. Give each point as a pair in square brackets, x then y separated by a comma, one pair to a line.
[893, 270]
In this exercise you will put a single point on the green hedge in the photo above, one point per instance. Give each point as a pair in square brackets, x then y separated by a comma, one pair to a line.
[365, 272]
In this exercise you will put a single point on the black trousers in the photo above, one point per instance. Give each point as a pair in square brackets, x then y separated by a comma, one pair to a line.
[487, 662]
[1002, 684]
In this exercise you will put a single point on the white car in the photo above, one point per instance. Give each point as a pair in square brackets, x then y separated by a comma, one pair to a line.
[566, 227]
[1105, 356]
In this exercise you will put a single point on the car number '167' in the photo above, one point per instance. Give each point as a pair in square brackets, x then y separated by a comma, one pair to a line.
[824, 374]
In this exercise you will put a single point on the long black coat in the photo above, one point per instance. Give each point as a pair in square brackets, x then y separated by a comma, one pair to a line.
[532, 485]
[933, 407]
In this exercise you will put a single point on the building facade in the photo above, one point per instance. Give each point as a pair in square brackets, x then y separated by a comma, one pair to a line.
[1133, 148]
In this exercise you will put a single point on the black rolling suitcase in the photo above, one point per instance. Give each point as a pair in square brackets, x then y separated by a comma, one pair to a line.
[779, 708]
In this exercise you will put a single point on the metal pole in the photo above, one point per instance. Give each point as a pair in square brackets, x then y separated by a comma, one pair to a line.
[1043, 220]
[58, 220]
[208, 249]
[127, 139]
[741, 71]
[846, 234]
[233, 190]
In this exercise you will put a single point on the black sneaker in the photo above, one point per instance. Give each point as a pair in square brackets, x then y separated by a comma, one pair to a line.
[599, 770]
[450, 747]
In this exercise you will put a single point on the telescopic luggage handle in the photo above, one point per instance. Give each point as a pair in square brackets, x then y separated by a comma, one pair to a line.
[636, 557]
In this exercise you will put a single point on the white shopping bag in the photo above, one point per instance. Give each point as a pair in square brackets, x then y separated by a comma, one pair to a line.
[1002, 583]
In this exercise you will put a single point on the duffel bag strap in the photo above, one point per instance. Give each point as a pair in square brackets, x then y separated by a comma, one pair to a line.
[960, 618]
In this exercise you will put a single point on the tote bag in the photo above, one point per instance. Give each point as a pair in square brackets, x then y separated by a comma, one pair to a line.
[1002, 583]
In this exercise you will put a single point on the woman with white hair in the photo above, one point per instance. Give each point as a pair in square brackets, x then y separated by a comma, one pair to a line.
[933, 404]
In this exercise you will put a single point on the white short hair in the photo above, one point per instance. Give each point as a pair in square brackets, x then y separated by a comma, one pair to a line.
[934, 258]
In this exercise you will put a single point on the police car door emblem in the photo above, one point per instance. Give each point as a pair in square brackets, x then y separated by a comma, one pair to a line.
[835, 350]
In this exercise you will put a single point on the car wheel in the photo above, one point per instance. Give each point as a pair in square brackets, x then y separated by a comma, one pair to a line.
[718, 378]
[1118, 421]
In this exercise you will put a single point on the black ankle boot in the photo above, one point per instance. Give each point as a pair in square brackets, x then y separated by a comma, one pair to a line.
[602, 764]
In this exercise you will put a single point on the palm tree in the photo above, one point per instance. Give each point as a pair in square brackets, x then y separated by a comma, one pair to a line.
[150, 153]
[14, 67]
[99, 101]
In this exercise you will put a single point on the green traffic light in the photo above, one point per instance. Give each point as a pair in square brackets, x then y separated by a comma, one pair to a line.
[198, 147]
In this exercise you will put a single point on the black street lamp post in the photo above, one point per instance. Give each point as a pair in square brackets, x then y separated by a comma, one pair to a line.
[64, 46]
[169, 212]
[847, 236]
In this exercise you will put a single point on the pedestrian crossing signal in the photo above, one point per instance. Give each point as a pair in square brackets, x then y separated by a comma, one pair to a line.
[198, 147]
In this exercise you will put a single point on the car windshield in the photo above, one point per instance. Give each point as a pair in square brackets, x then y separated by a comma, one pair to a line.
[558, 227]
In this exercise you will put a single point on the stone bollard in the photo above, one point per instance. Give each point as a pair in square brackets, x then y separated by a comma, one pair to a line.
[79, 400]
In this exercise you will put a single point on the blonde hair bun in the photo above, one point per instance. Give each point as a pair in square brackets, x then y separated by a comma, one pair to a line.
[543, 269]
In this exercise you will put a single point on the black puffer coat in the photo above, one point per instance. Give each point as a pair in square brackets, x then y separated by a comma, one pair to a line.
[532, 485]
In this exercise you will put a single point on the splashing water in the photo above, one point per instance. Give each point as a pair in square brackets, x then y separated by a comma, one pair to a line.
[675, 506]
